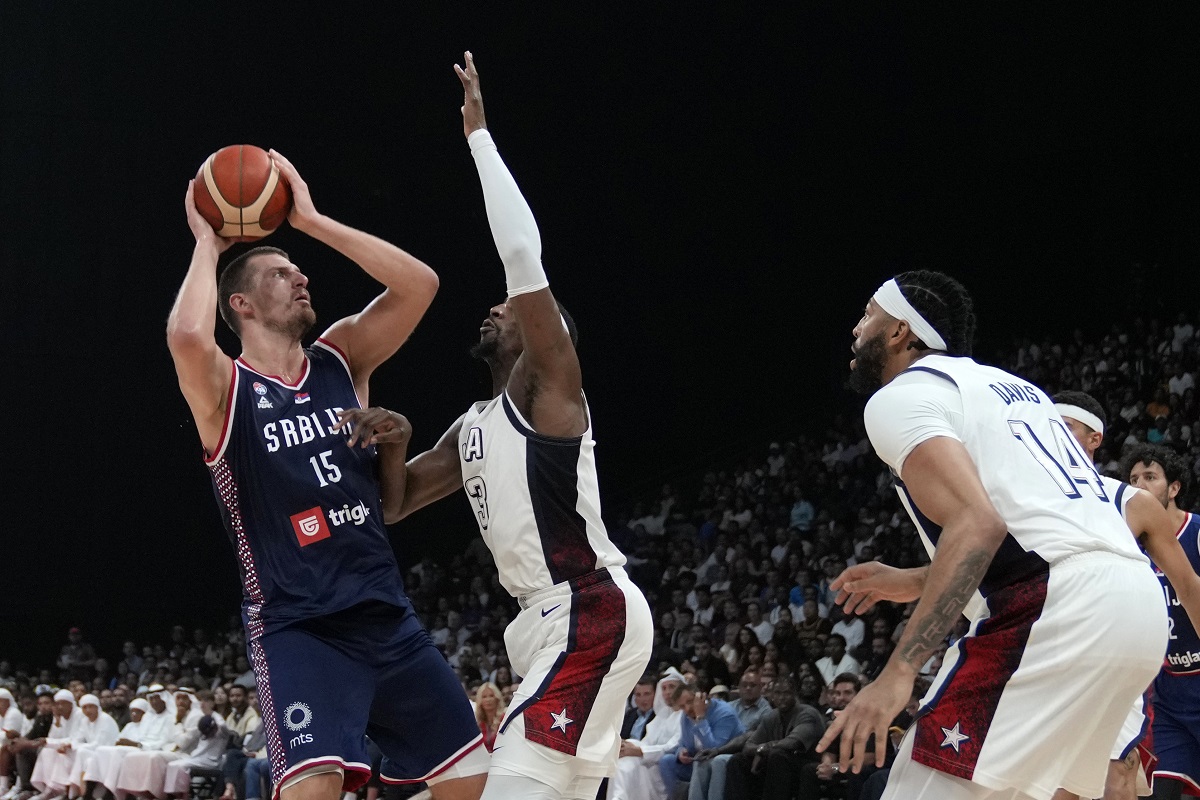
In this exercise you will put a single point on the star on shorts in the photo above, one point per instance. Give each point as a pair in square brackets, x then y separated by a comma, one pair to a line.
[561, 720]
[954, 737]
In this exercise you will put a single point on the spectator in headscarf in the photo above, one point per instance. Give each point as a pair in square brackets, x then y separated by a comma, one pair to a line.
[103, 765]
[96, 729]
[637, 776]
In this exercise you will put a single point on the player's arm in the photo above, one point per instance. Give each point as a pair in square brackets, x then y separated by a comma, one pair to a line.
[549, 366]
[373, 335]
[943, 482]
[405, 487]
[1147, 515]
[204, 371]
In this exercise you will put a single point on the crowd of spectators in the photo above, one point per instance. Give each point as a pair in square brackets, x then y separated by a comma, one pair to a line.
[736, 564]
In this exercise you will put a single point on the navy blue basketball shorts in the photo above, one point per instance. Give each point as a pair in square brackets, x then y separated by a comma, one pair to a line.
[1176, 730]
[371, 669]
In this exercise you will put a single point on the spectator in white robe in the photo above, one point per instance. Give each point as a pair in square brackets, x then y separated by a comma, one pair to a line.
[144, 773]
[95, 730]
[57, 749]
[205, 746]
[104, 763]
[637, 776]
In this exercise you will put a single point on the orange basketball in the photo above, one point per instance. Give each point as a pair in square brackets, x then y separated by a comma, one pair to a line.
[240, 193]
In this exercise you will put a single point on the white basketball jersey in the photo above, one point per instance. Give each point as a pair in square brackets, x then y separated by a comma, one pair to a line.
[535, 497]
[1037, 476]
[1120, 492]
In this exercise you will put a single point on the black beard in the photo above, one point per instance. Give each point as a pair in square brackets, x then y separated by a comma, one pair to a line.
[486, 349]
[867, 376]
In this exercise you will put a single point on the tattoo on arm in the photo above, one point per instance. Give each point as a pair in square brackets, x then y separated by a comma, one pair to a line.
[928, 632]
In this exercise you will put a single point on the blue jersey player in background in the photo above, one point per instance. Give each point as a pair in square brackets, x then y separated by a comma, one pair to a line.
[335, 645]
[1175, 731]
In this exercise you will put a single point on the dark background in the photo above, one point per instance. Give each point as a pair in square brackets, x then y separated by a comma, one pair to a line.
[719, 191]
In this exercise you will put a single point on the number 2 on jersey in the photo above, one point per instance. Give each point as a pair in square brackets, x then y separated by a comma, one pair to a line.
[1070, 469]
[477, 491]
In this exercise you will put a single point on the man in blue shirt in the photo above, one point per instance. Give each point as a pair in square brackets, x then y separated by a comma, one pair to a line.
[708, 773]
[706, 724]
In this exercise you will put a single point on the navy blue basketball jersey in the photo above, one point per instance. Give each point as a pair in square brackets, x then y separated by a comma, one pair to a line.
[1183, 646]
[301, 507]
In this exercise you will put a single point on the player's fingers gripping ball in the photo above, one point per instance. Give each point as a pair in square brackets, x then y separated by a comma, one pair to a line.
[241, 194]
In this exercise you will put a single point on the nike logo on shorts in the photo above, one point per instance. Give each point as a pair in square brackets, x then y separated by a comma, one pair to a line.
[550, 611]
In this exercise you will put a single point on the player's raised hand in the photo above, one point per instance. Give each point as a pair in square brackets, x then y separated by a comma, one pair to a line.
[303, 211]
[472, 109]
[861, 586]
[368, 426]
[203, 232]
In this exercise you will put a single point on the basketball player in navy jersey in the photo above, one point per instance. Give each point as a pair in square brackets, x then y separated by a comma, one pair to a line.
[1130, 771]
[334, 642]
[525, 459]
[1175, 730]
[1066, 619]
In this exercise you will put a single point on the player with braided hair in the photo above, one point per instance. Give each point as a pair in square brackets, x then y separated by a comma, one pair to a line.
[1066, 620]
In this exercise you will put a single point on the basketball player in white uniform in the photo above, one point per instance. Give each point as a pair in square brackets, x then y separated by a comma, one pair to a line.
[1068, 625]
[1131, 764]
[584, 635]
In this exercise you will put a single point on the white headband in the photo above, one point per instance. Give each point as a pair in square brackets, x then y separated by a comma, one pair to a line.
[1081, 414]
[892, 300]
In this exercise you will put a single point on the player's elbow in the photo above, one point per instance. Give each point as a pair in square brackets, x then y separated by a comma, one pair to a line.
[521, 251]
[988, 525]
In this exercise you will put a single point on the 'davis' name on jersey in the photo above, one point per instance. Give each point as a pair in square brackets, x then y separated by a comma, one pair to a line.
[302, 430]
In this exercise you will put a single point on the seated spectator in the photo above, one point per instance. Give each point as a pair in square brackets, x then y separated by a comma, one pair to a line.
[46, 772]
[103, 765]
[763, 629]
[77, 656]
[711, 764]
[707, 723]
[703, 658]
[769, 764]
[641, 711]
[489, 712]
[637, 776]
[95, 730]
[850, 627]
[204, 747]
[27, 747]
[818, 778]
[836, 660]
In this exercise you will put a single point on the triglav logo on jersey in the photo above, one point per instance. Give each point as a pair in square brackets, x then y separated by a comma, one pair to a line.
[310, 526]
[355, 515]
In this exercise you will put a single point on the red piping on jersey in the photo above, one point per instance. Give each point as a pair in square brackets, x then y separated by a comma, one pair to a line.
[276, 378]
[1187, 517]
[335, 348]
[233, 381]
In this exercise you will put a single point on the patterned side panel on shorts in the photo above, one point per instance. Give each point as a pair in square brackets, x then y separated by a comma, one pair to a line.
[266, 703]
[951, 733]
[556, 719]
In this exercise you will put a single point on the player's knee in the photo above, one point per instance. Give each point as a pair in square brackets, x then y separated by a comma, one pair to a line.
[462, 787]
[313, 786]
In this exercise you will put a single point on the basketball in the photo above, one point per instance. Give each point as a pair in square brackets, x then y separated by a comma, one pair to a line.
[240, 193]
